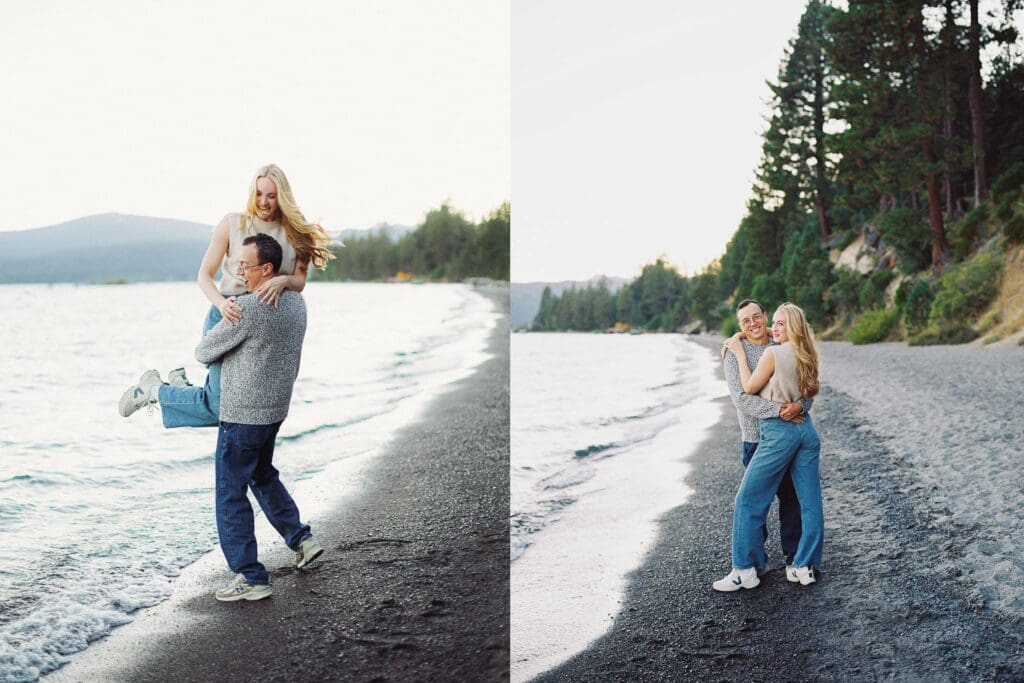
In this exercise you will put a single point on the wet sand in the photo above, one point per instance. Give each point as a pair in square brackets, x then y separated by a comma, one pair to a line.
[414, 580]
[921, 579]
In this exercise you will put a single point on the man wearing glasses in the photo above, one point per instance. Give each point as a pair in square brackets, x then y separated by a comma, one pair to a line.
[751, 409]
[260, 356]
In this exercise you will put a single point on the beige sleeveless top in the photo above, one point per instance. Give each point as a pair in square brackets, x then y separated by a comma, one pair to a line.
[238, 230]
[784, 385]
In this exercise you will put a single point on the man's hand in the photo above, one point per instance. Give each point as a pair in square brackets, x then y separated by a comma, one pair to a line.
[792, 412]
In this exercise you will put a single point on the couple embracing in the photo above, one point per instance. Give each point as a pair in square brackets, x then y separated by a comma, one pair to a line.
[772, 383]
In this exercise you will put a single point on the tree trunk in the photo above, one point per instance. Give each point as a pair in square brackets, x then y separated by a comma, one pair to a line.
[948, 113]
[977, 119]
[928, 142]
[820, 180]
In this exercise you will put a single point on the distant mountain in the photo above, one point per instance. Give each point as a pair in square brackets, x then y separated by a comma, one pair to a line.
[394, 232]
[526, 295]
[104, 247]
[113, 246]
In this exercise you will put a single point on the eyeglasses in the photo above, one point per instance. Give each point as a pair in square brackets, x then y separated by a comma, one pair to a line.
[243, 268]
[756, 318]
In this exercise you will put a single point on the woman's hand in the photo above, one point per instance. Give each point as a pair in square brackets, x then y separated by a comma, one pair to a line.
[725, 344]
[230, 309]
[269, 290]
[735, 344]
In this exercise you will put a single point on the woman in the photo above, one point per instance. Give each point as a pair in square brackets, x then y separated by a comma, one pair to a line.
[272, 210]
[784, 374]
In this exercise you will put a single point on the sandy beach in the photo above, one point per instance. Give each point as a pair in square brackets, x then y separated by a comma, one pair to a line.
[922, 568]
[414, 581]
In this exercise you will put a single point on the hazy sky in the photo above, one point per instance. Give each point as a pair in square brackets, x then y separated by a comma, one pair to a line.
[636, 129]
[377, 111]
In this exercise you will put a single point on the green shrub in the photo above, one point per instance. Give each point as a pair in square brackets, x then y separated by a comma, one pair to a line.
[872, 292]
[843, 296]
[846, 238]
[915, 298]
[874, 326]
[991, 339]
[911, 237]
[730, 327]
[1014, 228]
[968, 231]
[1011, 179]
[1007, 207]
[966, 289]
[950, 333]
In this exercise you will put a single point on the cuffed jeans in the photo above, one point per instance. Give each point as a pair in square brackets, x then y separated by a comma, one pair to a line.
[194, 406]
[784, 446]
[244, 460]
[789, 509]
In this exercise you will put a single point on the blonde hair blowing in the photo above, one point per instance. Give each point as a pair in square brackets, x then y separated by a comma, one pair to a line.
[310, 241]
[801, 337]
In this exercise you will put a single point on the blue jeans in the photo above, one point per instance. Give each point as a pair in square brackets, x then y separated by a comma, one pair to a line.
[244, 460]
[194, 406]
[789, 509]
[785, 446]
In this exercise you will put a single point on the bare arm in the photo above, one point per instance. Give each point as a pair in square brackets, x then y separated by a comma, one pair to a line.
[212, 260]
[752, 405]
[754, 381]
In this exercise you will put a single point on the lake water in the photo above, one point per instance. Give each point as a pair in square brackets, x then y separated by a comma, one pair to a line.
[602, 426]
[99, 513]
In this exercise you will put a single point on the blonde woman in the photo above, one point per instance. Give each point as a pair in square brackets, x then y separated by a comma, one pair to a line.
[784, 374]
[272, 210]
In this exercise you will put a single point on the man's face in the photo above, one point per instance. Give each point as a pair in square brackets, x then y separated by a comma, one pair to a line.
[752, 319]
[250, 269]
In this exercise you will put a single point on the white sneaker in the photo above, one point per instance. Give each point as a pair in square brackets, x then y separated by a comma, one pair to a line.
[805, 575]
[791, 574]
[308, 551]
[240, 589]
[177, 378]
[137, 396]
[737, 579]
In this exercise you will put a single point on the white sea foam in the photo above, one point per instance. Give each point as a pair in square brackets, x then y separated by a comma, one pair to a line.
[602, 427]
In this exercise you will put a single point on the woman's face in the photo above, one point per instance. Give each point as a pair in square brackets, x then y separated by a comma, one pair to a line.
[266, 199]
[779, 328]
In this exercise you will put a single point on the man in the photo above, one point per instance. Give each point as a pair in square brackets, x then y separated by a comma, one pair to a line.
[260, 357]
[751, 409]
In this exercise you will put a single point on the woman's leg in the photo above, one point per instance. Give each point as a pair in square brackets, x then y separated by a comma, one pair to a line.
[774, 454]
[194, 406]
[807, 482]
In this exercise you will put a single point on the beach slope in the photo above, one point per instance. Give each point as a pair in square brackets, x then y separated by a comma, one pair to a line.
[921, 581]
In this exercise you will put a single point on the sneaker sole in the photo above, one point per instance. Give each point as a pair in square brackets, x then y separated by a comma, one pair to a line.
[251, 595]
[732, 587]
[307, 560]
[127, 405]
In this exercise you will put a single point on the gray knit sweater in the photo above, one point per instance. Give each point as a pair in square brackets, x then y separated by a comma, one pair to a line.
[260, 357]
[752, 409]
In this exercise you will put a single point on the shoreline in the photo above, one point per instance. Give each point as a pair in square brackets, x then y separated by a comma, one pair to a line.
[413, 582]
[896, 599]
[578, 562]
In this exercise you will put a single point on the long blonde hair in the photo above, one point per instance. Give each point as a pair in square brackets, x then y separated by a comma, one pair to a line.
[801, 337]
[310, 241]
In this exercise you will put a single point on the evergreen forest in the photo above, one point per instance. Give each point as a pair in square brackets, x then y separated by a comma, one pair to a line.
[446, 246]
[888, 198]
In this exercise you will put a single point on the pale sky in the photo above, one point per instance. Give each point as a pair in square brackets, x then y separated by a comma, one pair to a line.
[636, 129]
[376, 111]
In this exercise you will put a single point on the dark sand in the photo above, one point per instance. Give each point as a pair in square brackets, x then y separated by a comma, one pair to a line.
[414, 581]
[880, 611]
